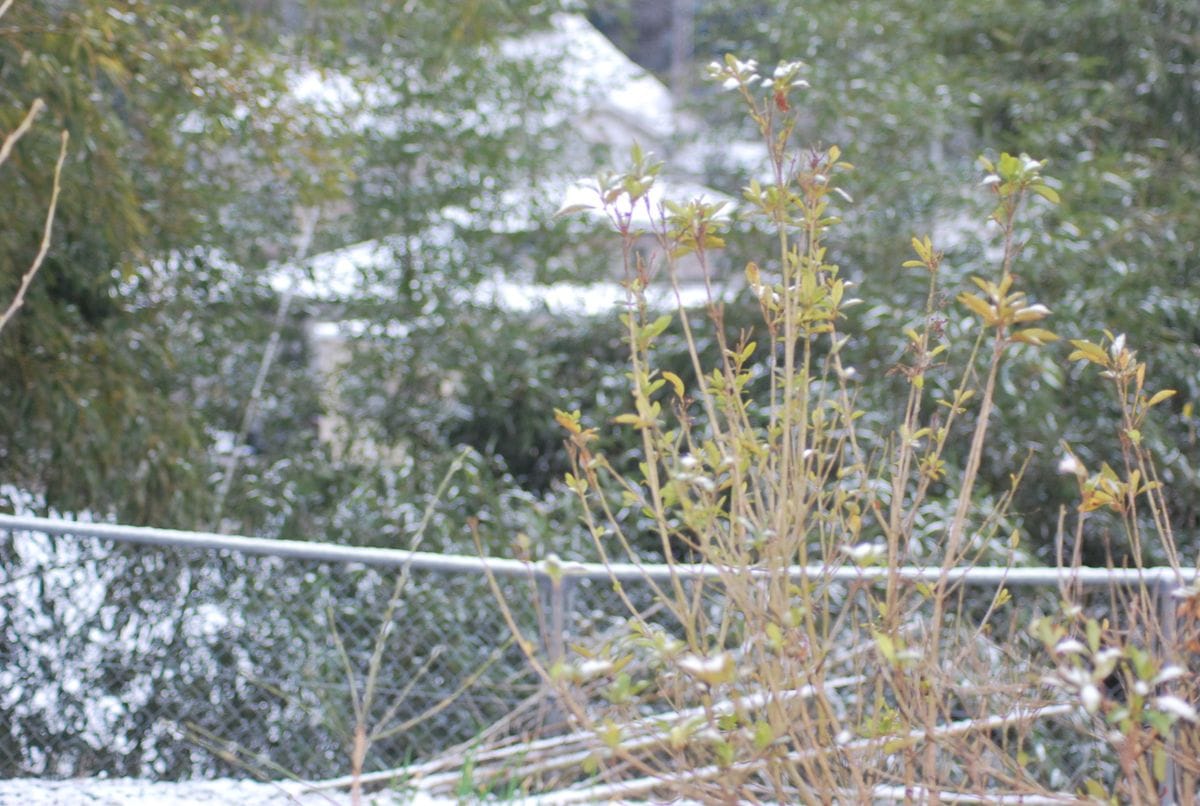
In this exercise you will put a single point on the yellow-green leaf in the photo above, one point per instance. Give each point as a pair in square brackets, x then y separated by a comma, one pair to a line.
[1159, 397]
[1089, 352]
[752, 273]
[886, 647]
[675, 382]
[763, 735]
[1034, 335]
[568, 420]
[1046, 192]
[977, 305]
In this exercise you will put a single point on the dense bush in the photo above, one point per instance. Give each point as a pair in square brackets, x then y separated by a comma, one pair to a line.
[1106, 92]
[852, 679]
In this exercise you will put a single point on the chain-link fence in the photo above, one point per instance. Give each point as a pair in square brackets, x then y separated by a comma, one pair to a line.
[182, 660]
[169, 655]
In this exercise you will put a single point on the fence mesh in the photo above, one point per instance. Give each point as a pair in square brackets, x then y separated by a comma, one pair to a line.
[173, 662]
[168, 663]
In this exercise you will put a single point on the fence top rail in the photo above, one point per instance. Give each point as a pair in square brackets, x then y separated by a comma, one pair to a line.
[553, 568]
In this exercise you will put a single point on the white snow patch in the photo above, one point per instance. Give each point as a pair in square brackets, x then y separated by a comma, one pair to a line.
[346, 272]
[596, 299]
[611, 98]
[129, 792]
[619, 100]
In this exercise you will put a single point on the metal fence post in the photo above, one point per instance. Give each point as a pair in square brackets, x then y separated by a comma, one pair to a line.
[556, 595]
[555, 591]
[1167, 627]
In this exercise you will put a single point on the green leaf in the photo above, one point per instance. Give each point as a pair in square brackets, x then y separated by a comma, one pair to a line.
[977, 305]
[886, 647]
[1034, 335]
[656, 327]
[763, 735]
[1093, 635]
[1046, 192]
[676, 382]
[1088, 351]
[1160, 764]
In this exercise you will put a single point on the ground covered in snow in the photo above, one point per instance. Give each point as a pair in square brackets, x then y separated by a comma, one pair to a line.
[94, 792]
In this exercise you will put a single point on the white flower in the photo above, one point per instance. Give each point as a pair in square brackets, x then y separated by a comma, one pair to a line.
[1105, 661]
[1118, 345]
[1089, 695]
[865, 552]
[1075, 678]
[1069, 465]
[717, 669]
[594, 668]
[1176, 706]
[1168, 674]
[1069, 646]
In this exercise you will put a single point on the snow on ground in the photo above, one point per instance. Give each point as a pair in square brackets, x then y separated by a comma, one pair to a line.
[127, 792]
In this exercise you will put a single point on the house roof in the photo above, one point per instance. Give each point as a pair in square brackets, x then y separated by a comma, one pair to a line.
[611, 100]
[601, 92]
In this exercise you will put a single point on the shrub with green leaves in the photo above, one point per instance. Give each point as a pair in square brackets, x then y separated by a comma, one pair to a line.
[776, 675]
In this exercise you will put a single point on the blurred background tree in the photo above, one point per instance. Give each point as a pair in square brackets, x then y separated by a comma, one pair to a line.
[201, 129]
[179, 128]
[1108, 91]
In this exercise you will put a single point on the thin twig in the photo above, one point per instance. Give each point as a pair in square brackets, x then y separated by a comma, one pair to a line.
[48, 228]
[308, 224]
[645, 786]
[16, 134]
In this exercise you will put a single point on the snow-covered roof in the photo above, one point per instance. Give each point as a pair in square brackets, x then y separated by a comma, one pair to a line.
[615, 99]
[351, 271]
[611, 99]
[558, 299]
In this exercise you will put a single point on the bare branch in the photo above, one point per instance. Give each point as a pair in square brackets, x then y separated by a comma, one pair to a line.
[47, 230]
[35, 109]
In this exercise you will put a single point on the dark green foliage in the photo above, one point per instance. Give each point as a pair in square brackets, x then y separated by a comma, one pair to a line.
[156, 99]
[124, 365]
[1107, 91]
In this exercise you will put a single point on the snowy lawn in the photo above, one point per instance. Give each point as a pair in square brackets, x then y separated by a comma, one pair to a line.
[125, 792]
